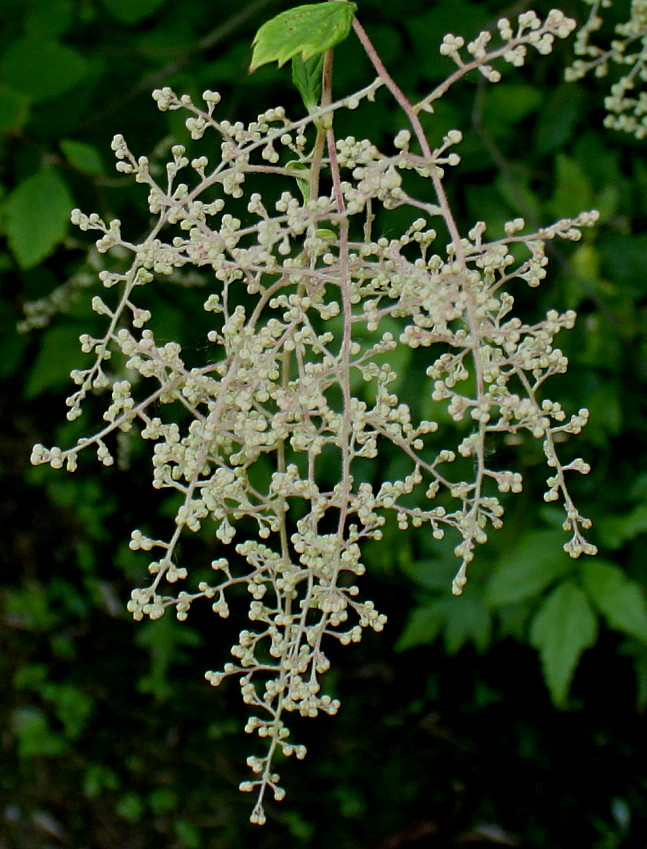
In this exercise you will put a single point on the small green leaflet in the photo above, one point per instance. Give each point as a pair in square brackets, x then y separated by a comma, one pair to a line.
[306, 30]
[563, 627]
[301, 173]
[306, 75]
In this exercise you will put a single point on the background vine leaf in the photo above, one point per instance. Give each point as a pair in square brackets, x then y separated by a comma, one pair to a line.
[305, 30]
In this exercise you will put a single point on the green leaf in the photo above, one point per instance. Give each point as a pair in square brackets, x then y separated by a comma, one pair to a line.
[30, 676]
[467, 620]
[34, 735]
[508, 104]
[98, 778]
[516, 192]
[424, 624]
[188, 834]
[14, 109]
[131, 11]
[37, 213]
[49, 19]
[460, 620]
[29, 608]
[130, 807]
[619, 599]
[162, 800]
[563, 627]
[41, 68]
[164, 639]
[528, 569]
[558, 119]
[306, 75]
[615, 530]
[306, 30]
[301, 173]
[83, 156]
[72, 707]
[573, 191]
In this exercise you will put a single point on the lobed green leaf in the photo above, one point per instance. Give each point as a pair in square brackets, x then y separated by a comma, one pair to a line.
[563, 627]
[305, 30]
[619, 599]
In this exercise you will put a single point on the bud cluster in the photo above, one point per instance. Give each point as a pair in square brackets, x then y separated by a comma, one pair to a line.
[267, 441]
[627, 103]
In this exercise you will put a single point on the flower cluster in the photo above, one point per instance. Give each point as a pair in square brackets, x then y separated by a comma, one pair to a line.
[626, 104]
[269, 440]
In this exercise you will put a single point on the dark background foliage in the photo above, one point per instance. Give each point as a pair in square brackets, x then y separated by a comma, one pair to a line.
[461, 724]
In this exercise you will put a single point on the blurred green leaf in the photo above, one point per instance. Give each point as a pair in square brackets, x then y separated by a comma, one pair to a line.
[130, 807]
[563, 627]
[34, 735]
[30, 608]
[48, 19]
[624, 258]
[14, 109]
[529, 568]
[164, 639]
[604, 403]
[305, 30]
[162, 800]
[59, 353]
[97, 778]
[557, 121]
[83, 156]
[460, 620]
[620, 600]
[30, 676]
[187, 834]
[41, 68]
[467, 620]
[520, 197]
[36, 216]
[131, 11]
[423, 626]
[573, 191]
[507, 104]
[615, 530]
[72, 706]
